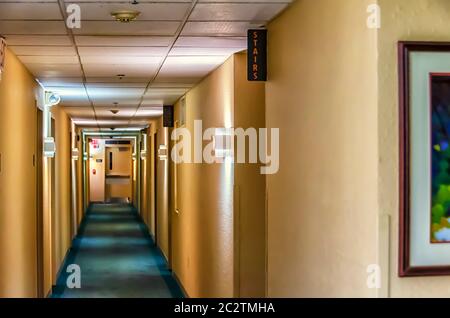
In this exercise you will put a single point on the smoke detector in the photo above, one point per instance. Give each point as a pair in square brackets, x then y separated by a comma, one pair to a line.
[125, 16]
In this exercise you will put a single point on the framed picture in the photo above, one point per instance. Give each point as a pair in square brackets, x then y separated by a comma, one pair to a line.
[424, 223]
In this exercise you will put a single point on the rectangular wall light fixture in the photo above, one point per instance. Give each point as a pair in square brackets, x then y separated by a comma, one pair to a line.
[49, 147]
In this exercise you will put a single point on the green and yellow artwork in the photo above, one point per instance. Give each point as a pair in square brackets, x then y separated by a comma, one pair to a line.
[440, 158]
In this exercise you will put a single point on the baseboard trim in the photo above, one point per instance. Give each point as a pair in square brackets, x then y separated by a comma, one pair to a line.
[185, 293]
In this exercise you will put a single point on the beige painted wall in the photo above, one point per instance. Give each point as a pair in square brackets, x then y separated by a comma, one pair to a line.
[150, 193]
[322, 204]
[218, 210]
[18, 92]
[249, 190]
[62, 217]
[162, 193]
[202, 231]
[424, 20]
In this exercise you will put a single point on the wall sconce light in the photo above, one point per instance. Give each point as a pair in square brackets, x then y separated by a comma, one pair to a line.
[75, 154]
[52, 99]
[144, 147]
[49, 147]
[223, 142]
[162, 152]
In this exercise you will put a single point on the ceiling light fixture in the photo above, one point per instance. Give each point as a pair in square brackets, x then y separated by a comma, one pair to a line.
[125, 16]
[114, 111]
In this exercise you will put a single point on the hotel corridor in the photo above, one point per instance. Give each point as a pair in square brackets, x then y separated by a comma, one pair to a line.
[242, 149]
[118, 258]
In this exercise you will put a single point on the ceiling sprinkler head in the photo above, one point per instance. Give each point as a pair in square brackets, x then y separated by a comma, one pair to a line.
[125, 16]
[120, 76]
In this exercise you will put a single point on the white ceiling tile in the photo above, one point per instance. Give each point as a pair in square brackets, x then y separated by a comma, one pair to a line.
[123, 102]
[167, 79]
[125, 41]
[162, 100]
[141, 1]
[186, 51]
[236, 11]
[61, 81]
[38, 40]
[44, 50]
[171, 85]
[148, 11]
[242, 1]
[29, 11]
[116, 80]
[70, 94]
[105, 123]
[116, 85]
[85, 104]
[81, 112]
[163, 28]
[124, 111]
[167, 96]
[217, 28]
[193, 41]
[28, 1]
[165, 91]
[146, 112]
[124, 60]
[55, 70]
[32, 27]
[113, 93]
[122, 51]
[111, 70]
[40, 59]
[190, 66]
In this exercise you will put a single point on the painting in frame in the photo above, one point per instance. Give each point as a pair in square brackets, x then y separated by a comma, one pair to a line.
[424, 220]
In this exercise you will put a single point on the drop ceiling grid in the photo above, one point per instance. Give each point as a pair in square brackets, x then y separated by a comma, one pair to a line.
[215, 29]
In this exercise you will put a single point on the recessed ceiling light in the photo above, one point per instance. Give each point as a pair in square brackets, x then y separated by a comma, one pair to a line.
[125, 16]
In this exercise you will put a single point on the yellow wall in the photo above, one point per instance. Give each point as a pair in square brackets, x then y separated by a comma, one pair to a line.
[202, 232]
[425, 20]
[149, 217]
[18, 93]
[322, 204]
[162, 193]
[249, 190]
[62, 212]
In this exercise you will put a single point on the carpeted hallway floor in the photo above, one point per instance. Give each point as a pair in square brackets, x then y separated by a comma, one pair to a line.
[117, 258]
